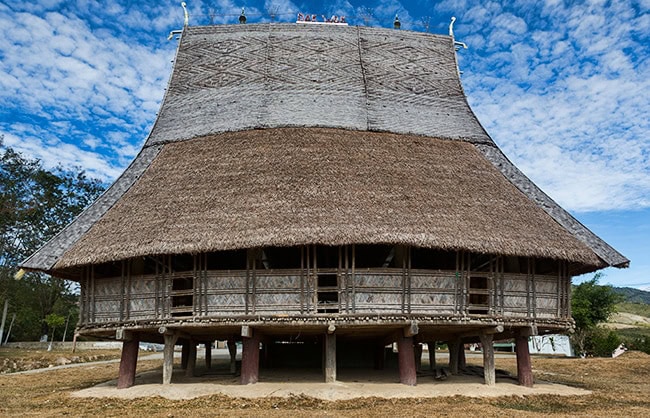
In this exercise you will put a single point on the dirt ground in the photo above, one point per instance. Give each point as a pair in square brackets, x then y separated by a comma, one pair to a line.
[618, 387]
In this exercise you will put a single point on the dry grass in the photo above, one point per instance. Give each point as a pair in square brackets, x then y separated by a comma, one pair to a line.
[17, 360]
[620, 388]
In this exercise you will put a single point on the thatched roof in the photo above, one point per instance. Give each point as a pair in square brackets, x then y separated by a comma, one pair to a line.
[287, 135]
[285, 187]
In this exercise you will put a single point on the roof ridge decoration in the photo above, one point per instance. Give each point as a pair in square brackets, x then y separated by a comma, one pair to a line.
[234, 78]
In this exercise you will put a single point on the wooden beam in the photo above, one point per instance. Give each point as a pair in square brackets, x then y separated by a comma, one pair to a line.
[330, 358]
[489, 372]
[528, 331]
[168, 357]
[250, 359]
[411, 329]
[122, 334]
[524, 366]
[406, 361]
[128, 363]
[489, 330]
[246, 331]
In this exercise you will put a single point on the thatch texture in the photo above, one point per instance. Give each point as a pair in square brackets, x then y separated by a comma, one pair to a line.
[282, 187]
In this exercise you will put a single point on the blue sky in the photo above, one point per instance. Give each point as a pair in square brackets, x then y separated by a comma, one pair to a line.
[562, 86]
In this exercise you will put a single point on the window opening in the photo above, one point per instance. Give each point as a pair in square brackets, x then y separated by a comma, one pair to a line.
[478, 295]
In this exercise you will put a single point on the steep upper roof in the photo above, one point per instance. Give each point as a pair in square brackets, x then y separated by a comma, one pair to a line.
[289, 134]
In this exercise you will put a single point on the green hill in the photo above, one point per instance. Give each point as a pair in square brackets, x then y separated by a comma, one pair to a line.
[632, 295]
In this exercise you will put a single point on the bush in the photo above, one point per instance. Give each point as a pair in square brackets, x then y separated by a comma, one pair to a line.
[602, 342]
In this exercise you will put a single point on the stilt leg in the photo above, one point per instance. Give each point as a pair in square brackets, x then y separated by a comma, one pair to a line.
[128, 363]
[524, 366]
[232, 349]
[417, 351]
[185, 352]
[488, 359]
[191, 358]
[453, 355]
[208, 355]
[462, 362]
[168, 357]
[432, 355]
[406, 359]
[250, 360]
[330, 358]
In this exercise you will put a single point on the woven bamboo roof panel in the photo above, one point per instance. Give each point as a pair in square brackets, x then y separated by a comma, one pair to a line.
[237, 77]
[282, 187]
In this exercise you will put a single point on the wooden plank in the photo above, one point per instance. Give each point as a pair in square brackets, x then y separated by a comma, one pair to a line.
[330, 358]
[128, 363]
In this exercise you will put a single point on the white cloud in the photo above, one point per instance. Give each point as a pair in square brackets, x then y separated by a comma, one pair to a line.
[58, 69]
[561, 87]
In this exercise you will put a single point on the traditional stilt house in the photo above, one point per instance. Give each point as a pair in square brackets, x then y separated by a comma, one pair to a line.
[328, 185]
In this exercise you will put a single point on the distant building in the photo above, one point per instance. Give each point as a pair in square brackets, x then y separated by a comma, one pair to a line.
[328, 185]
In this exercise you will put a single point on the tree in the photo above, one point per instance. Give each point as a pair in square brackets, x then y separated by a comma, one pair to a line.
[592, 304]
[35, 204]
[53, 321]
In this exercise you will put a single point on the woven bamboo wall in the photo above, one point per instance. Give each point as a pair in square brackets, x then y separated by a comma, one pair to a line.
[294, 292]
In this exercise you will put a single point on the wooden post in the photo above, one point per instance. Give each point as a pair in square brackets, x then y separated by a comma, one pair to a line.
[185, 352]
[250, 359]
[406, 360]
[232, 349]
[417, 350]
[330, 358]
[524, 366]
[208, 355]
[462, 362]
[191, 358]
[452, 345]
[488, 358]
[432, 355]
[128, 363]
[168, 357]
